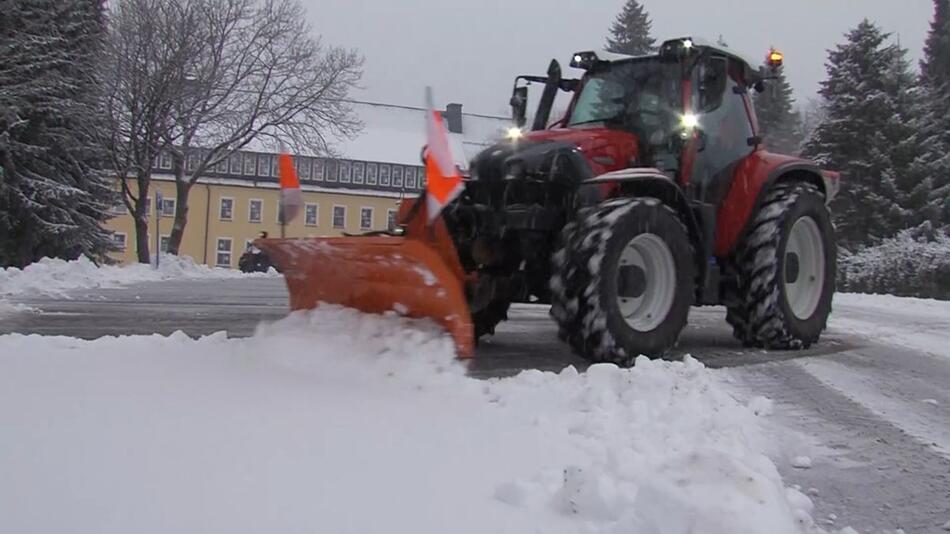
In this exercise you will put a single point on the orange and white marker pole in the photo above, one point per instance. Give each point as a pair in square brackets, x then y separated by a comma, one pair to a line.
[291, 198]
[443, 181]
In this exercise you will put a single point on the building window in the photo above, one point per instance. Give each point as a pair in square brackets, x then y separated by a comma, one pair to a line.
[371, 169]
[274, 166]
[358, 172]
[234, 165]
[384, 175]
[192, 163]
[222, 166]
[310, 214]
[303, 168]
[168, 207]
[390, 219]
[410, 178]
[344, 172]
[366, 218]
[318, 170]
[223, 256]
[226, 211]
[163, 243]
[255, 207]
[397, 176]
[263, 165]
[339, 216]
[119, 206]
[248, 243]
[165, 160]
[422, 177]
[331, 166]
[119, 238]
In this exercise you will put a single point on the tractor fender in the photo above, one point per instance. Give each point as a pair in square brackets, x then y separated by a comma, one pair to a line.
[752, 180]
[650, 182]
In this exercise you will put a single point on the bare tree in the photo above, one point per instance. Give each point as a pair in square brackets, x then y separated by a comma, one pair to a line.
[148, 43]
[258, 75]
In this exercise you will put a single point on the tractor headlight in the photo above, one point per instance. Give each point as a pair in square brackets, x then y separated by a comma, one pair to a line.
[689, 121]
[514, 133]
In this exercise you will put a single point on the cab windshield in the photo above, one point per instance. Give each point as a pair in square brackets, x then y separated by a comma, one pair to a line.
[643, 96]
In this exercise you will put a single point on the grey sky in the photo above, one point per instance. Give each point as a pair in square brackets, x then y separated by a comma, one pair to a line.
[470, 50]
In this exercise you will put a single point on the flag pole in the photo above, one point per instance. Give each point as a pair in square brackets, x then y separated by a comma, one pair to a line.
[283, 223]
[291, 198]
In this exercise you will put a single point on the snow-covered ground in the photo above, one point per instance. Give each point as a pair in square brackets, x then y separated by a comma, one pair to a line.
[7, 308]
[56, 277]
[334, 421]
[919, 324]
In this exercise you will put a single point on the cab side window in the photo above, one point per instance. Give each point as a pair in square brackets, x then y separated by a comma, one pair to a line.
[719, 101]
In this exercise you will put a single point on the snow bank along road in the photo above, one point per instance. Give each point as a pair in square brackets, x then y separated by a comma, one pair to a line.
[222, 432]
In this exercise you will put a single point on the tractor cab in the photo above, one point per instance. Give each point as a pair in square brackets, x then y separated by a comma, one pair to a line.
[685, 111]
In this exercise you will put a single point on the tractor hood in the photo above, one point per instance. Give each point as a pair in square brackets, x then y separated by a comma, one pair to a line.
[568, 155]
[605, 149]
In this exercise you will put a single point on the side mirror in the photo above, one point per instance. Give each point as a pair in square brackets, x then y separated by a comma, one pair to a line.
[519, 105]
[701, 139]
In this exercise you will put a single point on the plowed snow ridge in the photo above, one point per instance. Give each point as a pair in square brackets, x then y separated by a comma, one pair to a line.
[56, 277]
[335, 421]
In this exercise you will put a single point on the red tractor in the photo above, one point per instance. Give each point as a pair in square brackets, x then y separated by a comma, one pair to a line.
[652, 194]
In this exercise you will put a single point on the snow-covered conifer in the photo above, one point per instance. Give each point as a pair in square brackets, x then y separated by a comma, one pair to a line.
[53, 194]
[867, 134]
[630, 31]
[779, 123]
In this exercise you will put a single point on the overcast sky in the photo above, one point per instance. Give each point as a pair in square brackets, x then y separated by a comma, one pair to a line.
[470, 50]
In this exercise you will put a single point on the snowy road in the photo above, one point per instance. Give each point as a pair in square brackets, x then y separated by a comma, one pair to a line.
[869, 407]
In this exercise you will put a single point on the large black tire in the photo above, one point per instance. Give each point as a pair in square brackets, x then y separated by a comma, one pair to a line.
[761, 304]
[586, 285]
[487, 319]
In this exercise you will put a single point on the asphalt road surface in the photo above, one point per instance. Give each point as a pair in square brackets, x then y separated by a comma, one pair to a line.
[874, 418]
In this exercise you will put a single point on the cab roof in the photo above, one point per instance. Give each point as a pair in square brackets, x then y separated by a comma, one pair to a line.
[606, 55]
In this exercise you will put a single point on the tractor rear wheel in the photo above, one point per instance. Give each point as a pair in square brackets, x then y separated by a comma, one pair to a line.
[623, 280]
[785, 269]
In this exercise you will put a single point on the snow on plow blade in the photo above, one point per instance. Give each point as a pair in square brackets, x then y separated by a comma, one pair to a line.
[375, 275]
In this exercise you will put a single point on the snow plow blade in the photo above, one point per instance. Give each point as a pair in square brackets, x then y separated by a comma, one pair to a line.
[416, 276]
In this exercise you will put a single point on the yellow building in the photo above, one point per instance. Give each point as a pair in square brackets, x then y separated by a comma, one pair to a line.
[357, 192]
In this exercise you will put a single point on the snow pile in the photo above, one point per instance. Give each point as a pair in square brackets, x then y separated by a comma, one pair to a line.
[335, 421]
[908, 264]
[54, 276]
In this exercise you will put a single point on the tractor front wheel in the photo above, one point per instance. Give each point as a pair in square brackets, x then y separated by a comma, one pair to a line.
[623, 280]
[785, 271]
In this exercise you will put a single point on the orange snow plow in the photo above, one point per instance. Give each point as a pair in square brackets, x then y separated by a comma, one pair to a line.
[416, 274]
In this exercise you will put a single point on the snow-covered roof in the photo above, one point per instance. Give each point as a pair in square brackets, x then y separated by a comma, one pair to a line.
[396, 134]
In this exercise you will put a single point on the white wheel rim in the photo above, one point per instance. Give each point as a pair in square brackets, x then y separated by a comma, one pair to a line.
[804, 268]
[646, 302]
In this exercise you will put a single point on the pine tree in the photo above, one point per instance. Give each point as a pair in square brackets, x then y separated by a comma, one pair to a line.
[53, 195]
[867, 134]
[933, 126]
[935, 65]
[630, 32]
[780, 125]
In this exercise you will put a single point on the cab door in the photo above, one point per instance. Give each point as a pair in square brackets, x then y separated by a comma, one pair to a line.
[726, 132]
